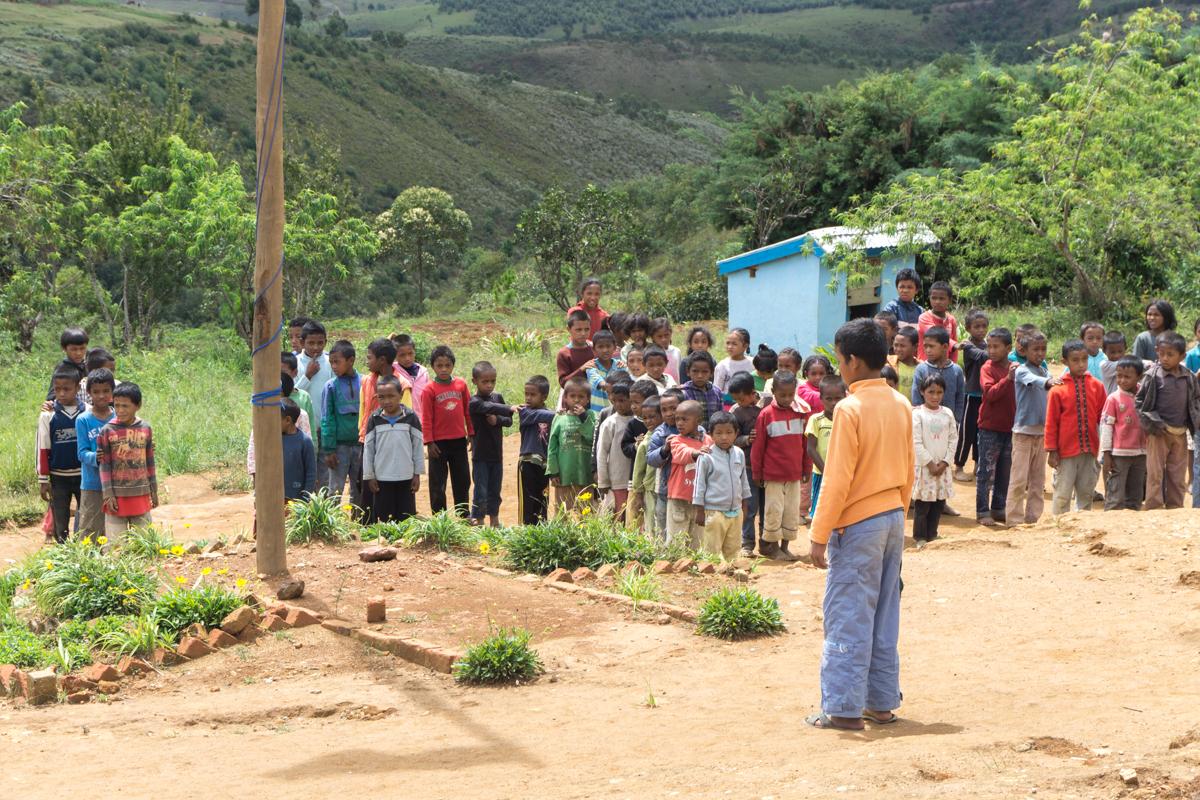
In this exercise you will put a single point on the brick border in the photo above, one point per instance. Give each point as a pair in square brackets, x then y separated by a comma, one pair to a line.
[416, 651]
[677, 612]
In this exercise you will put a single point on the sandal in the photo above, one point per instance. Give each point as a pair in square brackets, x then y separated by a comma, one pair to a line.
[822, 722]
[869, 717]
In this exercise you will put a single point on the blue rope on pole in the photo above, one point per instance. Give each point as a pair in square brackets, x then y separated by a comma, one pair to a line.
[267, 398]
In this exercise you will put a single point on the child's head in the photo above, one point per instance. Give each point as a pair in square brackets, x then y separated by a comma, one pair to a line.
[889, 375]
[1160, 316]
[699, 338]
[1092, 334]
[289, 414]
[537, 389]
[389, 393]
[99, 358]
[1196, 329]
[65, 383]
[127, 401]
[637, 328]
[904, 343]
[933, 389]
[1115, 345]
[619, 396]
[889, 322]
[651, 413]
[939, 298]
[286, 385]
[313, 338]
[977, 325]
[784, 388]
[833, 391]
[688, 417]
[74, 342]
[296, 332]
[635, 361]
[589, 293]
[619, 376]
[441, 360]
[660, 332]
[655, 360]
[908, 283]
[579, 325]
[380, 355]
[616, 324]
[1035, 347]
[1171, 349]
[741, 389]
[765, 361]
[789, 359]
[737, 342]
[669, 401]
[699, 367]
[603, 345]
[861, 350]
[289, 364]
[578, 392]
[723, 429]
[641, 389]
[815, 368]
[100, 388]
[1129, 373]
[999, 345]
[483, 376]
[406, 349]
[1075, 357]
[341, 357]
[937, 343]
[1019, 338]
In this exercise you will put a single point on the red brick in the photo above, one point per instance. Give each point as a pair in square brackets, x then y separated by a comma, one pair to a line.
[249, 634]
[707, 568]
[376, 610]
[607, 571]
[6, 678]
[75, 698]
[19, 684]
[278, 609]
[237, 620]
[684, 564]
[167, 657]
[724, 568]
[102, 672]
[301, 618]
[425, 654]
[196, 631]
[191, 647]
[219, 638]
[75, 683]
[273, 623]
[128, 665]
[582, 574]
[662, 568]
[559, 576]
[634, 568]
[109, 687]
[339, 626]
[252, 600]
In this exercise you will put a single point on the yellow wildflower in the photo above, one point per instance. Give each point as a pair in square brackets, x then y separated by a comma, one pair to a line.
[187, 524]
[181, 579]
[84, 580]
[206, 571]
[162, 551]
[585, 512]
[102, 540]
[49, 564]
[585, 496]
[177, 550]
[241, 582]
[347, 507]
[484, 547]
[222, 572]
[87, 540]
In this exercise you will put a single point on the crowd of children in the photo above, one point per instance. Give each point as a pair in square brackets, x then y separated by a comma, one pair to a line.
[728, 455]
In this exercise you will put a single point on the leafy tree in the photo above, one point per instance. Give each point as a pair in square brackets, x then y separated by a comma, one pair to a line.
[592, 236]
[336, 27]
[251, 8]
[293, 14]
[423, 229]
[1096, 187]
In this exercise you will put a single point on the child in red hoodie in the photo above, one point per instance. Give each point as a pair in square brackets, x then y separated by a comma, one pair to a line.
[780, 464]
[996, 414]
[446, 424]
[1073, 410]
[686, 446]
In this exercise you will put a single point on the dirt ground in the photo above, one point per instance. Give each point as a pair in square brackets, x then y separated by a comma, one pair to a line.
[1036, 662]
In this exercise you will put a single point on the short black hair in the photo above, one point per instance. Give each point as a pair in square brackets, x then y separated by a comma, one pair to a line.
[1031, 336]
[785, 377]
[312, 328]
[72, 335]
[97, 357]
[654, 402]
[891, 319]
[298, 322]
[541, 383]
[586, 282]
[636, 348]
[482, 368]
[615, 323]
[343, 348]
[286, 384]
[1164, 307]
[816, 359]
[1003, 334]
[908, 274]
[645, 387]
[383, 348]
[1131, 362]
[721, 418]
[1113, 337]
[791, 353]
[130, 391]
[863, 339]
[974, 315]
[442, 351]
[938, 334]
[910, 333]
[1087, 326]
[389, 380]
[741, 383]
[289, 360]
[577, 315]
[289, 408]
[654, 351]
[101, 377]
[1173, 339]
[603, 336]
[637, 320]
[578, 382]
[830, 382]
[64, 373]
[932, 379]
[402, 340]
[658, 324]
[621, 388]
[1072, 346]
[765, 360]
[619, 375]
[941, 286]
[675, 392]
[889, 374]
[698, 329]
[699, 356]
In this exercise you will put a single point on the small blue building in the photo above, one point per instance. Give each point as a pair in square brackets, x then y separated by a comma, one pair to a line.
[780, 293]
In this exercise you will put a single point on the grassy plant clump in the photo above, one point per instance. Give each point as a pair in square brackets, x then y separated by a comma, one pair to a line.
[640, 587]
[320, 518]
[444, 529]
[75, 580]
[503, 657]
[563, 542]
[231, 479]
[179, 608]
[141, 635]
[514, 344]
[152, 542]
[739, 613]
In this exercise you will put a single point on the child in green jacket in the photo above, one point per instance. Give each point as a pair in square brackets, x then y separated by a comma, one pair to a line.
[569, 450]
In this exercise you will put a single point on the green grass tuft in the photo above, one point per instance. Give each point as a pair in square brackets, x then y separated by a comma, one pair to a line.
[74, 580]
[179, 608]
[640, 587]
[321, 517]
[563, 542]
[739, 613]
[151, 543]
[445, 530]
[503, 657]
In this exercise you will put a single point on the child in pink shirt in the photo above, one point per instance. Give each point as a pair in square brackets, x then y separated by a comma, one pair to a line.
[815, 368]
[1122, 440]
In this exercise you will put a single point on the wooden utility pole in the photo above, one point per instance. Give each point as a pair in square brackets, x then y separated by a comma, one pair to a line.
[268, 292]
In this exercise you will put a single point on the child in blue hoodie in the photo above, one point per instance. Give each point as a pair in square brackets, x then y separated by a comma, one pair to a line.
[87, 429]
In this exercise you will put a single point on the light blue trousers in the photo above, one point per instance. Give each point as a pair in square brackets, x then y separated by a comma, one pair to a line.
[860, 663]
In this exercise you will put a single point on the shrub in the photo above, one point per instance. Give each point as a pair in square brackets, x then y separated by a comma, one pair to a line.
[502, 657]
[142, 636]
[739, 614]
[444, 529]
[640, 587]
[562, 542]
[23, 648]
[701, 298]
[151, 543]
[514, 344]
[179, 608]
[75, 580]
[319, 518]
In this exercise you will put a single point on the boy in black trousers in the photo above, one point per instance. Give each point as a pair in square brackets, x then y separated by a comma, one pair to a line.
[535, 421]
[489, 416]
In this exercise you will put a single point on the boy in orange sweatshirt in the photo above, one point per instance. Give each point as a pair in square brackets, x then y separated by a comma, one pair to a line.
[858, 535]
[686, 446]
[1073, 411]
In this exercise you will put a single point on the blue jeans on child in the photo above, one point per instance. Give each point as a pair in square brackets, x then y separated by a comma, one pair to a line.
[349, 458]
[991, 476]
[1196, 478]
[488, 477]
[816, 492]
[753, 506]
[860, 662]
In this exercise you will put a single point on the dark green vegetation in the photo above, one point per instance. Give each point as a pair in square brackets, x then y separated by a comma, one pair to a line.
[739, 613]
[503, 657]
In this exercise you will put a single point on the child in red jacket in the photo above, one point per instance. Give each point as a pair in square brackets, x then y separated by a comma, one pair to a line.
[780, 465]
[1073, 410]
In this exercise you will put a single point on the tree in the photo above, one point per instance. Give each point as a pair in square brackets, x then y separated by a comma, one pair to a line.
[293, 14]
[423, 229]
[336, 27]
[592, 236]
[1100, 170]
[568, 29]
[766, 202]
[251, 8]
